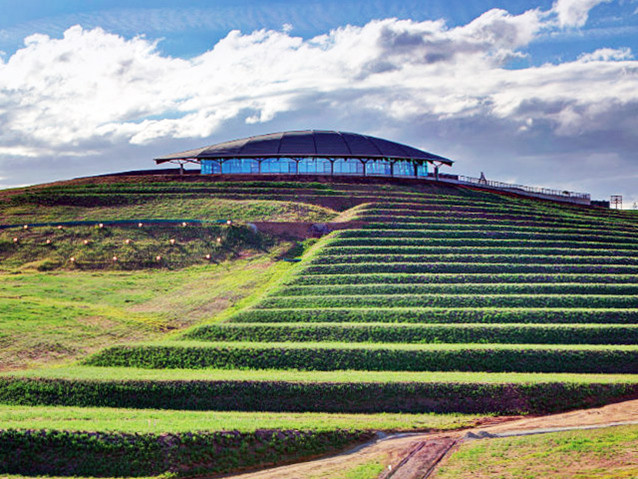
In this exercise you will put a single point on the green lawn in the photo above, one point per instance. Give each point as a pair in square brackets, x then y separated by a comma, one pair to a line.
[169, 208]
[47, 317]
[115, 373]
[160, 421]
[603, 453]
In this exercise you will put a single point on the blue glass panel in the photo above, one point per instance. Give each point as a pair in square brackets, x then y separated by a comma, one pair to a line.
[348, 167]
[404, 168]
[314, 166]
[378, 168]
[206, 167]
[277, 166]
[210, 167]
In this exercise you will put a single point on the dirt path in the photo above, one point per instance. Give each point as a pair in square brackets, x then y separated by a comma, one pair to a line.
[412, 456]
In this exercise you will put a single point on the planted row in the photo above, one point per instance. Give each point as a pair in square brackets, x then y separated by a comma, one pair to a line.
[461, 278]
[429, 333]
[451, 301]
[330, 250]
[501, 228]
[443, 267]
[371, 397]
[96, 454]
[439, 315]
[479, 233]
[492, 241]
[460, 288]
[402, 215]
[535, 258]
[325, 358]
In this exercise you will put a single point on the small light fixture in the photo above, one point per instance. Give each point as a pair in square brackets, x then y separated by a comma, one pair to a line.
[48, 241]
[229, 222]
[114, 259]
[72, 259]
[25, 227]
[219, 240]
[207, 256]
[15, 240]
[101, 225]
[59, 227]
[172, 241]
[127, 241]
[86, 242]
[158, 258]
[139, 225]
[184, 223]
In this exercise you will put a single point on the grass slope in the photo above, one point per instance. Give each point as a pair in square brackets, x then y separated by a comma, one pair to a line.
[603, 453]
[545, 286]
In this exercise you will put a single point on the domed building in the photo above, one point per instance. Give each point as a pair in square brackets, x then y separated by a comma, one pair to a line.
[311, 152]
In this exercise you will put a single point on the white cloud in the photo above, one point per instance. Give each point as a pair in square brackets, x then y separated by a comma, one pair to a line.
[607, 54]
[92, 92]
[574, 13]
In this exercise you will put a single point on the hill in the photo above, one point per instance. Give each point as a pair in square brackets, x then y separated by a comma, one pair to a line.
[425, 298]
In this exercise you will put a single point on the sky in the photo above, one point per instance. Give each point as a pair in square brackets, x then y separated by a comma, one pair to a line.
[537, 93]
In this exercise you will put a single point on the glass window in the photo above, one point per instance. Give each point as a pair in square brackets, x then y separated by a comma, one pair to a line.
[210, 167]
[378, 168]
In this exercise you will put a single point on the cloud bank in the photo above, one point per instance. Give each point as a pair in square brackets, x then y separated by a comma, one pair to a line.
[450, 90]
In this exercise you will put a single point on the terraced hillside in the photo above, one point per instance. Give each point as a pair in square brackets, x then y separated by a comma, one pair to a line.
[433, 300]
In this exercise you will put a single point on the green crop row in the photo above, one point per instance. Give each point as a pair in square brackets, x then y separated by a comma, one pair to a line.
[442, 315]
[407, 333]
[330, 250]
[355, 397]
[461, 288]
[442, 267]
[500, 228]
[480, 233]
[451, 301]
[325, 358]
[447, 278]
[580, 242]
[628, 259]
[414, 216]
[70, 453]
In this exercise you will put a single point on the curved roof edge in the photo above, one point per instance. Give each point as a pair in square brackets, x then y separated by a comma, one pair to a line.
[308, 144]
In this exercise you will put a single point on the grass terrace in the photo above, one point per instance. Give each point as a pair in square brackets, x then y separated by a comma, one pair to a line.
[437, 304]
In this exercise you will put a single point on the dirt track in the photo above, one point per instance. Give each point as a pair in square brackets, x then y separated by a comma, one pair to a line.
[413, 456]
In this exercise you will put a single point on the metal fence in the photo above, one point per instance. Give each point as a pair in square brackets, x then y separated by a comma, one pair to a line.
[523, 188]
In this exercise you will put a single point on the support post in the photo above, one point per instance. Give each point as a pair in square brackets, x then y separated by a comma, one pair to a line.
[332, 167]
[392, 168]
[364, 166]
[416, 170]
[436, 172]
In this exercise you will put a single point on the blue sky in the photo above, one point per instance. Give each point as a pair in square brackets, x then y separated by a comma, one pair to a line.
[534, 92]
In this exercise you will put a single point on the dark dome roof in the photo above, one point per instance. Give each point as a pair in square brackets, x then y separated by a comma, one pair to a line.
[308, 143]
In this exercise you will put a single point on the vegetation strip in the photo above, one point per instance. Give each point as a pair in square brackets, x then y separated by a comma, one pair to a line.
[494, 358]
[348, 397]
[439, 315]
[451, 301]
[184, 454]
[405, 333]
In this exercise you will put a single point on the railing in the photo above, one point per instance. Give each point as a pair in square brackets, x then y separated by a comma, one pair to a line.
[536, 190]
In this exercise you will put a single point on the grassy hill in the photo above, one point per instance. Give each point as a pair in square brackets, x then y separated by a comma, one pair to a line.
[431, 299]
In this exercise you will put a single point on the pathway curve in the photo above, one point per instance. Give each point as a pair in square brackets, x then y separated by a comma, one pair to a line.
[415, 456]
